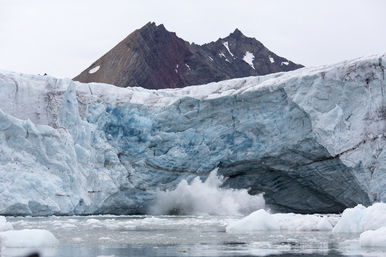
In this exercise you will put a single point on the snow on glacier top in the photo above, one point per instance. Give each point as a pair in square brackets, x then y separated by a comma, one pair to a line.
[43, 85]
[213, 90]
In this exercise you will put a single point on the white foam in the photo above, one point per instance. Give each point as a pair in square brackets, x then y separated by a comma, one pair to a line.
[28, 238]
[206, 197]
[94, 223]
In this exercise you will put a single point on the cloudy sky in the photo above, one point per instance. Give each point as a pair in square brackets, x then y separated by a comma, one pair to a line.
[63, 37]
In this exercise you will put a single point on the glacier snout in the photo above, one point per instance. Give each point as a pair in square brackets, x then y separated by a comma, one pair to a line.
[312, 140]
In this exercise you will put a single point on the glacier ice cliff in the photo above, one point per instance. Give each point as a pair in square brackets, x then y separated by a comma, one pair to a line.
[312, 140]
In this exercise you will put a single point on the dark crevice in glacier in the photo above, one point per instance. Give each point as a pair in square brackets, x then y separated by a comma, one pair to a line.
[355, 147]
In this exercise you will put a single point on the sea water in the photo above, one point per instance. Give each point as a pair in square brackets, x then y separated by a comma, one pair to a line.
[94, 236]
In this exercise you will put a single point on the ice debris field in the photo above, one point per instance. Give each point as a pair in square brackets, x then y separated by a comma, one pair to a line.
[358, 229]
[370, 222]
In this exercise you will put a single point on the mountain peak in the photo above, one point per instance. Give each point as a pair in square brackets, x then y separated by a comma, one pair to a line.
[237, 33]
[152, 26]
[153, 57]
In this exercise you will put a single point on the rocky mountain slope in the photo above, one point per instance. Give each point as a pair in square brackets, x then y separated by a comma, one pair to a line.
[155, 58]
[313, 140]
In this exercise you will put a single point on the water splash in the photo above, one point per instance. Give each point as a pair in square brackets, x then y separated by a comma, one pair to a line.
[206, 198]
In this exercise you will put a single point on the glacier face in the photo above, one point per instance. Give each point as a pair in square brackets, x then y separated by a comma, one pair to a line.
[312, 140]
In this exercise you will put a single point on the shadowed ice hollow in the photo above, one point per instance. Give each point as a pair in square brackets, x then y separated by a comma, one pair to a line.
[206, 198]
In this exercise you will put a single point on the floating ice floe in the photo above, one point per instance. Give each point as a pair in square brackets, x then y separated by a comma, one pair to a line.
[360, 219]
[28, 238]
[4, 225]
[370, 220]
[373, 238]
[94, 223]
[263, 221]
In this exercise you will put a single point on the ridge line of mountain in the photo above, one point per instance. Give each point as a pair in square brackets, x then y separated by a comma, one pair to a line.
[154, 58]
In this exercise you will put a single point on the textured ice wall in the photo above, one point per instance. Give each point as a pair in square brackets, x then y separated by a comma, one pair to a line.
[312, 140]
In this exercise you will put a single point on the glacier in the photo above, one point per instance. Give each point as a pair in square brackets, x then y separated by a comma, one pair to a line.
[312, 140]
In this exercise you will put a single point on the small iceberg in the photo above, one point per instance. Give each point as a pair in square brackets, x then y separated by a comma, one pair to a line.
[261, 220]
[4, 225]
[360, 219]
[28, 238]
[373, 238]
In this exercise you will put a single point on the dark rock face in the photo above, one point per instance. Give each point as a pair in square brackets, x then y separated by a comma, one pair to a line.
[155, 58]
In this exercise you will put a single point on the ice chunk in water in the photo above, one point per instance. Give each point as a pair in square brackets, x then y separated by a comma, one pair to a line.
[28, 238]
[4, 225]
[264, 221]
[360, 218]
[373, 238]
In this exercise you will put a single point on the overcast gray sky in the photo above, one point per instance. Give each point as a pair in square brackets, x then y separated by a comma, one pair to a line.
[63, 37]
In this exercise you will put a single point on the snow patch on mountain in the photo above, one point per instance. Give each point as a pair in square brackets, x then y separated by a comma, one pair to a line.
[248, 58]
[95, 69]
[226, 44]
